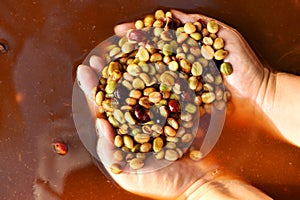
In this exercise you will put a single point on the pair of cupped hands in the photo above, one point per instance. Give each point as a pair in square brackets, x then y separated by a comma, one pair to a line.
[245, 82]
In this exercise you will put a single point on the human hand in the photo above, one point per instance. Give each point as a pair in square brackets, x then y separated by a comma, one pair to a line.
[181, 174]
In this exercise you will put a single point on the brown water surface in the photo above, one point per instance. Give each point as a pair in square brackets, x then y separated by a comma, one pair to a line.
[46, 40]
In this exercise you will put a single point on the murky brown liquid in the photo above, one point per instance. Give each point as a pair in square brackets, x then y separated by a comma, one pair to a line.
[46, 40]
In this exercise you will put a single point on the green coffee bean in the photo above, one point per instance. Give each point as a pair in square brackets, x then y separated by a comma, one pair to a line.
[207, 52]
[146, 79]
[138, 83]
[220, 54]
[136, 163]
[172, 139]
[127, 47]
[118, 141]
[208, 97]
[118, 155]
[145, 147]
[195, 155]
[189, 28]
[159, 155]
[167, 79]
[135, 94]
[173, 65]
[154, 97]
[144, 101]
[155, 57]
[114, 51]
[208, 41]
[196, 69]
[190, 108]
[226, 68]
[169, 131]
[143, 54]
[134, 69]
[141, 138]
[119, 116]
[149, 20]
[212, 27]
[148, 90]
[218, 43]
[129, 118]
[157, 128]
[186, 138]
[116, 168]
[193, 82]
[196, 36]
[128, 141]
[173, 123]
[159, 14]
[99, 98]
[171, 155]
[166, 36]
[195, 51]
[182, 37]
[130, 101]
[158, 23]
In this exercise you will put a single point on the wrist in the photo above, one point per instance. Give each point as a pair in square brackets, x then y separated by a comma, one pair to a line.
[222, 187]
[266, 93]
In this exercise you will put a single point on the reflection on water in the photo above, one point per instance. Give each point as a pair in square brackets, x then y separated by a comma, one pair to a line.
[46, 41]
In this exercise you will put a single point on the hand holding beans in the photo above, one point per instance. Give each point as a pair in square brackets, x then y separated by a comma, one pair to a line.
[185, 170]
[161, 69]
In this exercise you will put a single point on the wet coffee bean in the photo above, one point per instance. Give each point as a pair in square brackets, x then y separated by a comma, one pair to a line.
[121, 92]
[141, 114]
[174, 106]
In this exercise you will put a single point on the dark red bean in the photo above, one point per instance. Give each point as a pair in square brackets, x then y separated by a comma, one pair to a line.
[141, 114]
[137, 35]
[60, 148]
[174, 106]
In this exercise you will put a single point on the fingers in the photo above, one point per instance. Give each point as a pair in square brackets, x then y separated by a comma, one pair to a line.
[105, 129]
[96, 63]
[122, 29]
[87, 80]
[184, 18]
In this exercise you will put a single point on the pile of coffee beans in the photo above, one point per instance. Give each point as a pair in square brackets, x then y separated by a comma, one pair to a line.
[158, 81]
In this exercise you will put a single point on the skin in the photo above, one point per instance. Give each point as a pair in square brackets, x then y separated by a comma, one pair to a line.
[206, 179]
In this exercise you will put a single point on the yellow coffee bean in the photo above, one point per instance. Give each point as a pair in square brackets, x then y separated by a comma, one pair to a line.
[143, 54]
[226, 68]
[136, 163]
[116, 168]
[128, 141]
[208, 97]
[207, 52]
[118, 141]
[212, 26]
[139, 24]
[169, 131]
[218, 43]
[189, 27]
[171, 155]
[196, 155]
[196, 69]
[220, 54]
[145, 147]
[159, 14]
[154, 97]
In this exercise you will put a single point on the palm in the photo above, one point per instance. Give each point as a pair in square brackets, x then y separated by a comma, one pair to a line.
[244, 82]
[247, 69]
